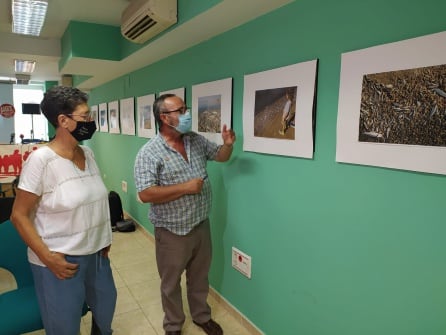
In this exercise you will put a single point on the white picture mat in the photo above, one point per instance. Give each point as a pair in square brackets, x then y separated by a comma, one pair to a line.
[302, 75]
[418, 52]
[127, 116]
[113, 120]
[144, 106]
[103, 119]
[179, 92]
[221, 87]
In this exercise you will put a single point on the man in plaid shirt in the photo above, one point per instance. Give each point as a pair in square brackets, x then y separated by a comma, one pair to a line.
[170, 174]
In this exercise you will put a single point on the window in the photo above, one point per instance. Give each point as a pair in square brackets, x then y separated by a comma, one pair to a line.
[32, 126]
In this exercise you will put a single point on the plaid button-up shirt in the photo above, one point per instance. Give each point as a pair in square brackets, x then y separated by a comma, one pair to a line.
[157, 164]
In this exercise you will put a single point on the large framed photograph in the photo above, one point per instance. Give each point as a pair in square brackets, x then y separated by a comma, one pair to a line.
[103, 118]
[145, 117]
[392, 103]
[113, 117]
[179, 92]
[127, 116]
[278, 110]
[212, 108]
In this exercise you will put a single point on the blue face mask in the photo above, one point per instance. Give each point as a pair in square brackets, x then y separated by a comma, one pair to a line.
[185, 124]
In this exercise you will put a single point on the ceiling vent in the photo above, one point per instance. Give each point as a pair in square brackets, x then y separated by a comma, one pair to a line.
[22, 79]
[144, 19]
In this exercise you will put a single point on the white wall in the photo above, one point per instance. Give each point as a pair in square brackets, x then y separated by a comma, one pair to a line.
[6, 125]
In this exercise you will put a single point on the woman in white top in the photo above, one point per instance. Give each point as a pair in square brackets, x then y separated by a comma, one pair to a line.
[61, 211]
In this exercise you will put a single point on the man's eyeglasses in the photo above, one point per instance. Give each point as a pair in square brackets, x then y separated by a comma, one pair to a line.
[86, 117]
[181, 110]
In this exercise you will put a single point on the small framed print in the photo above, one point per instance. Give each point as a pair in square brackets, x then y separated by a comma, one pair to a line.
[212, 108]
[145, 117]
[95, 115]
[127, 116]
[278, 110]
[113, 117]
[103, 118]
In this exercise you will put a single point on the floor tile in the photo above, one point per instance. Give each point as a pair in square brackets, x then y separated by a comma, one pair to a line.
[126, 302]
[132, 323]
[138, 272]
[138, 308]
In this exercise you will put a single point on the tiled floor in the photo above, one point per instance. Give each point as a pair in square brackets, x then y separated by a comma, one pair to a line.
[138, 310]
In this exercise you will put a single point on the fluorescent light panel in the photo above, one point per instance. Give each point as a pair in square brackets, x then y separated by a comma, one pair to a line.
[28, 16]
[7, 80]
[24, 66]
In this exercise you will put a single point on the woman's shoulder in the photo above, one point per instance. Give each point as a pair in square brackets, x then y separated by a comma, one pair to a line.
[41, 152]
[37, 158]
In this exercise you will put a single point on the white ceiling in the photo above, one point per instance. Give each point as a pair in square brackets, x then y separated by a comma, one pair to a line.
[45, 49]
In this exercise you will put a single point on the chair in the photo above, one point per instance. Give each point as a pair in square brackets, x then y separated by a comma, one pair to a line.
[9, 189]
[19, 310]
[5, 208]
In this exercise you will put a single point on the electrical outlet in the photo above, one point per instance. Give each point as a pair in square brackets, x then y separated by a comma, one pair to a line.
[241, 262]
[124, 186]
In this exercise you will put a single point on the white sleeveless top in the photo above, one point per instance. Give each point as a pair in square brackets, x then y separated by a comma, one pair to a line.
[72, 215]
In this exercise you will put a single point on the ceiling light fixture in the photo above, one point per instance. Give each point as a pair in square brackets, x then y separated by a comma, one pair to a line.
[28, 16]
[24, 66]
[7, 80]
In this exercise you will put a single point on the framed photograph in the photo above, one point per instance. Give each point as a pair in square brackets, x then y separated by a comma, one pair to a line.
[392, 103]
[103, 118]
[113, 117]
[212, 108]
[278, 110]
[179, 92]
[127, 108]
[95, 115]
[145, 118]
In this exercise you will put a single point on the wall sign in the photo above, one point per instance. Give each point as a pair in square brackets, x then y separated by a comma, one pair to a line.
[7, 110]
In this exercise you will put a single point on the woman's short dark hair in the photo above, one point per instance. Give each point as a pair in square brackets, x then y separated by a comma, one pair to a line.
[158, 107]
[61, 100]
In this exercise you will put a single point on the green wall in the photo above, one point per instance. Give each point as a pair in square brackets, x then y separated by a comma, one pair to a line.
[337, 249]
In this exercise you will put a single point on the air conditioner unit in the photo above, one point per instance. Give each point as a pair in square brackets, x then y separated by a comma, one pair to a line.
[144, 19]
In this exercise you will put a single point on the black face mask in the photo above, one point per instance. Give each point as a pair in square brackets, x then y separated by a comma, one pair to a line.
[84, 130]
